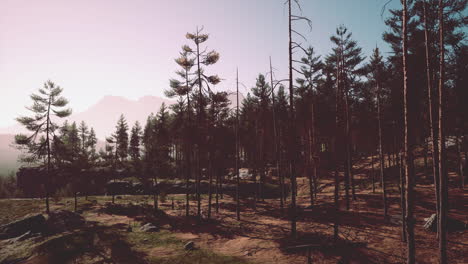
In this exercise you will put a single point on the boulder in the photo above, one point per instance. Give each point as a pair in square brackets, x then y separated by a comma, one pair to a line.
[149, 228]
[32, 224]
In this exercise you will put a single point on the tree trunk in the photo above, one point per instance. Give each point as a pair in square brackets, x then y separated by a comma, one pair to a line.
[200, 136]
[337, 205]
[210, 183]
[311, 169]
[403, 201]
[432, 128]
[425, 150]
[188, 153]
[292, 152]
[217, 190]
[237, 147]
[443, 188]
[408, 132]
[373, 173]
[275, 139]
[155, 194]
[459, 161]
[48, 157]
[465, 169]
[336, 157]
[381, 156]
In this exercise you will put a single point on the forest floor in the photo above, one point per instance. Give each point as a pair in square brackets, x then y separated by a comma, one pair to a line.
[261, 236]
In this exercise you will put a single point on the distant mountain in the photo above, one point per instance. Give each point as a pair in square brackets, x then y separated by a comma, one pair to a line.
[103, 115]
[9, 154]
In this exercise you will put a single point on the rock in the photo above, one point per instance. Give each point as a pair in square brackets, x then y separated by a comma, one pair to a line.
[63, 220]
[33, 224]
[149, 228]
[189, 245]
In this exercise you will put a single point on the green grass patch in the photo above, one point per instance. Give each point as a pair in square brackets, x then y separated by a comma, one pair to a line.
[199, 256]
[147, 240]
[11, 210]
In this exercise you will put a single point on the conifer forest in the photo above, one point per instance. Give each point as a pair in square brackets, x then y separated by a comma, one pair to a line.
[348, 156]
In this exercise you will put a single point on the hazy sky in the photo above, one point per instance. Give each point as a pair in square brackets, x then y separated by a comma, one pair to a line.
[94, 48]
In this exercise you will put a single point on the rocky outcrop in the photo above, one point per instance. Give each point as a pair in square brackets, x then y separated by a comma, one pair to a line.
[32, 224]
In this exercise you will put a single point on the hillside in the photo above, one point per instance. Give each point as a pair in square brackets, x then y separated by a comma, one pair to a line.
[8, 154]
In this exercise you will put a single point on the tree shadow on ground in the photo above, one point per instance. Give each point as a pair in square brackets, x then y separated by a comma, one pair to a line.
[326, 246]
[97, 243]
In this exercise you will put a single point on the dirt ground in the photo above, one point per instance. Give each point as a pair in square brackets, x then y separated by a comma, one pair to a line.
[263, 233]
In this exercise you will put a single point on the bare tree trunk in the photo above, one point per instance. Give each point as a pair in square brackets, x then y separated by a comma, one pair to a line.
[409, 168]
[381, 156]
[200, 136]
[188, 152]
[346, 164]
[336, 203]
[336, 157]
[210, 183]
[425, 150]
[442, 223]
[217, 190]
[403, 201]
[292, 152]
[237, 147]
[47, 181]
[155, 193]
[373, 173]
[432, 128]
[310, 169]
[275, 139]
[465, 169]
[254, 174]
[459, 160]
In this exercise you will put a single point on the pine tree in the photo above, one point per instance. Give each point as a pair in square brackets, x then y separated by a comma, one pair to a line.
[376, 67]
[311, 72]
[261, 95]
[135, 138]
[73, 143]
[121, 139]
[84, 133]
[91, 144]
[347, 55]
[203, 58]
[184, 89]
[46, 104]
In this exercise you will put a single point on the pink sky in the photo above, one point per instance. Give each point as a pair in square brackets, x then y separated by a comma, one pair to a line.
[94, 48]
